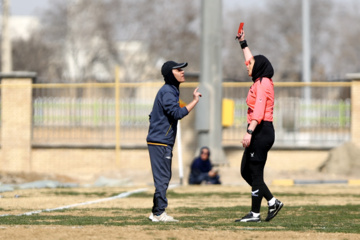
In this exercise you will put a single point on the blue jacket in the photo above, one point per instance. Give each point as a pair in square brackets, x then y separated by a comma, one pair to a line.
[199, 166]
[164, 116]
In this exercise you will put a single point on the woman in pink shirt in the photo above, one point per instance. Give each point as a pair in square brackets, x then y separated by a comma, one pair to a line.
[260, 134]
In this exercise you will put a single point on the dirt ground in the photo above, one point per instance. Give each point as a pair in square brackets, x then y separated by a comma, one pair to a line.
[135, 232]
[30, 200]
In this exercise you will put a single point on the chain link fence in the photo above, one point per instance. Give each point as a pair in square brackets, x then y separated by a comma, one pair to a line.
[85, 115]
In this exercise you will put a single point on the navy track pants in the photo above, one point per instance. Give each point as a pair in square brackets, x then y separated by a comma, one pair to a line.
[160, 158]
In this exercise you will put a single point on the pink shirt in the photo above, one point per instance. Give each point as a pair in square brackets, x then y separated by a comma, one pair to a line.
[260, 100]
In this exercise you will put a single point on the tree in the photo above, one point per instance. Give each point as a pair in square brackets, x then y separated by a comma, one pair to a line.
[84, 40]
[274, 29]
[169, 29]
[31, 55]
[80, 33]
[91, 37]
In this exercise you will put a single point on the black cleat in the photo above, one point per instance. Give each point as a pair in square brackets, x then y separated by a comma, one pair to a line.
[273, 210]
[249, 218]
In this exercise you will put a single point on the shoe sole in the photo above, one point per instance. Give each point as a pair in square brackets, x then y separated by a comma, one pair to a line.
[174, 220]
[151, 218]
[239, 220]
[276, 212]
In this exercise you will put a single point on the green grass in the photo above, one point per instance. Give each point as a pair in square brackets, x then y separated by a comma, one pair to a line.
[172, 194]
[228, 195]
[344, 219]
[299, 218]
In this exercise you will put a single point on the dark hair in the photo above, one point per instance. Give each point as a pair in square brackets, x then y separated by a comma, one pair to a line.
[201, 149]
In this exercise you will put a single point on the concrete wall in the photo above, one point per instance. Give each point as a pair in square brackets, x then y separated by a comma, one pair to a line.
[86, 165]
[355, 108]
[16, 115]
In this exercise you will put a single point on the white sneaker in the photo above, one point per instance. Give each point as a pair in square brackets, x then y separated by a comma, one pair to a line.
[151, 217]
[249, 218]
[162, 218]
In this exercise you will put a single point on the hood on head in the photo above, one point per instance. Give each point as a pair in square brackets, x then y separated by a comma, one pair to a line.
[166, 71]
[262, 68]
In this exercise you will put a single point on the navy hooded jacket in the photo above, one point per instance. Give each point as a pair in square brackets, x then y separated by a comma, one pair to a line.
[165, 115]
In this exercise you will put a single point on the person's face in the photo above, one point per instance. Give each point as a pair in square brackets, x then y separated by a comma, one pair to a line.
[204, 154]
[250, 66]
[179, 74]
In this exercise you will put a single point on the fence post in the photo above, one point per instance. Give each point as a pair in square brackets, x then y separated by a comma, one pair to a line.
[355, 107]
[16, 120]
[117, 115]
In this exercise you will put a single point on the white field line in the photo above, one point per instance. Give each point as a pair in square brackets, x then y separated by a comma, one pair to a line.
[121, 195]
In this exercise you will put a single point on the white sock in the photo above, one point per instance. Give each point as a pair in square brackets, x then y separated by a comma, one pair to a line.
[255, 214]
[272, 201]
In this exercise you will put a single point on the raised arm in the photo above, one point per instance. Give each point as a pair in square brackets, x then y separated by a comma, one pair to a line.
[195, 100]
[244, 46]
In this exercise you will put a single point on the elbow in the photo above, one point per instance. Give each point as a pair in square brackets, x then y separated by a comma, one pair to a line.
[257, 119]
[182, 113]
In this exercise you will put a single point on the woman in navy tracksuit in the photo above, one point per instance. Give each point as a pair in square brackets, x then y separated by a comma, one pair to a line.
[162, 133]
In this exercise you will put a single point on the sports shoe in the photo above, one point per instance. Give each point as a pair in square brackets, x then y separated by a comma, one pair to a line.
[249, 218]
[162, 218]
[273, 210]
[151, 217]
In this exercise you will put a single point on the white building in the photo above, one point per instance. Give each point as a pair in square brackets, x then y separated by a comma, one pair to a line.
[22, 26]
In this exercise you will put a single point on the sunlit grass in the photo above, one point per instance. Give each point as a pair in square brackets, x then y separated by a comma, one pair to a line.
[334, 218]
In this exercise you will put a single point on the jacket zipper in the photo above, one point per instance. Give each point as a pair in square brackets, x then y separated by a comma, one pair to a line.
[168, 130]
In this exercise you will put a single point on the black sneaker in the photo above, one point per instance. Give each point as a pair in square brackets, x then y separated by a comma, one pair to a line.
[273, 210]
[249, 218]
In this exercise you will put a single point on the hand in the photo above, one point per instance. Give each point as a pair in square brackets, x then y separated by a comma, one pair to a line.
[246, 140]
[212, 173]
[196, 94]
[241, 36]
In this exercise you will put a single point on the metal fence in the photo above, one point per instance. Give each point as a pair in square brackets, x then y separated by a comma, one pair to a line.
[86, 116]
[320, 122]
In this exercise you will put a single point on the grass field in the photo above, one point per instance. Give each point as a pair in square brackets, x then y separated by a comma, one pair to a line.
[206, 212]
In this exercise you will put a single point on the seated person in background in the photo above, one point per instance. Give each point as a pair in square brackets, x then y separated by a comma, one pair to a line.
[201, 169]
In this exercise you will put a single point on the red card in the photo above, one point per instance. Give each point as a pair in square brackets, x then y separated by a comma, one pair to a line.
[240, 27]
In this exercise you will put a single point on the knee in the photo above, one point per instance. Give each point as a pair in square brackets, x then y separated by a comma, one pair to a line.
[247, 178]
[243, 175]
[244, 172]
[257, 180]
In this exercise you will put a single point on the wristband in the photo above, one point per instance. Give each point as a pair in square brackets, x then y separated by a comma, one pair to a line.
[243, 44]
[249, 131]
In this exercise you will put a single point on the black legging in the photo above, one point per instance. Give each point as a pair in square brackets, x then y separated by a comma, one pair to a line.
[253, 163]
